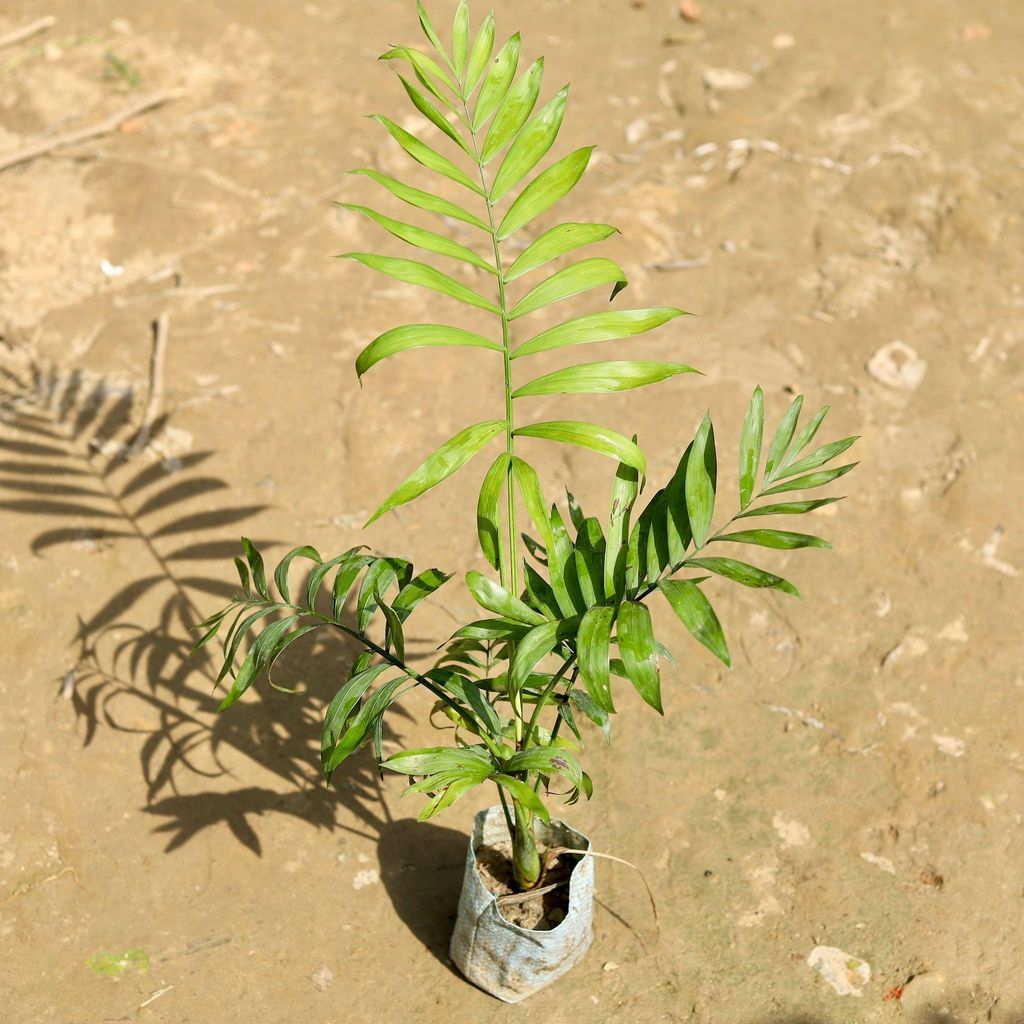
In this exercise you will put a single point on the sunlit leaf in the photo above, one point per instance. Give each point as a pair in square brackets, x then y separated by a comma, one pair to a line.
[513, 112]
[428, 71]
[588, 435]
[424, 239]
[545, 190]
[492, 597]
[789, 508]
[523, 794]
[556, 242]
[593, 644]
[802, 483]
[781, 440]
[701, 481]
[741, 572]
[531, 146]
[449, 458]
[488, 516]
[402, 339]
[602, 378]
[423, 200]
[780, 539]
[435, 116]
[412, 272]
[750, 447]
[429, 158]
[460, 38]
[639, 653]
[281, 572]
[826, 453]
[480, 55]
[431, 33]
[696, 614]
[623, 323]
[496, 84]
[362, 725]
[580, 277]
[624, 495]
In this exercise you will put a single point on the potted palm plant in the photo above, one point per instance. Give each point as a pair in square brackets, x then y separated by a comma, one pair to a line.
[564, 618]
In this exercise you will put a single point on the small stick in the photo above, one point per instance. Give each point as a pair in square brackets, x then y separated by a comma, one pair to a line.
[155, 397]
[104, 127]
[33, 28]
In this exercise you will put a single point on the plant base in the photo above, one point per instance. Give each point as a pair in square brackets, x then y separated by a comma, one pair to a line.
[500, 957]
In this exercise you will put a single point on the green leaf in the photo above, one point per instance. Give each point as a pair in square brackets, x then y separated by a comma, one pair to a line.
[281, 572]
[492, 597]
[806, 436]
[639, 653]
[623, 323]
[602, 378]
[546, 761]
[441, 464]
[435, 40]
[381, 574]
[416, 590]
[781, 440]
[515, 108]
[394, 635]
[624, 495]
[452, 791]
[345, 577]
[741, 572]
[460, 38]
[592, 710]
[423, 200]
[480, 55]
[701, 480]
[492, 629]
[677, 530]
[403, 339]
[775, 539]
[538, 643]
[431, 760]
[429, 158]
[826, 453]
[529, 487]
[750, 447]
[344, 703]
[801, 483]
[556, 242]
[588, 435]
[422, 239]
[523, 794]
[412, 272]
[589, 556]
[541, 594]
[593, 643]
[562, 566]
[434, 116]
[497, 82]
[531, 146]
[544, 191]
[427, 69]
[580, 277]
[363, 723]
[488, 515]
[789, 508]
[696, 614]
[255, 560]
[316, 577]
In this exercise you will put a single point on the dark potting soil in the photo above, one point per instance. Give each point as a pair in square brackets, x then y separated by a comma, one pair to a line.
[541, 913]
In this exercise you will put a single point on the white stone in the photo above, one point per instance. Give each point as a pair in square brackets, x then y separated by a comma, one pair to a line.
[727, 79]
[897, 365]
[846, 974]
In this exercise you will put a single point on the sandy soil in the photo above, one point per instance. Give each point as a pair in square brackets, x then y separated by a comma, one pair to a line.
[856, 782]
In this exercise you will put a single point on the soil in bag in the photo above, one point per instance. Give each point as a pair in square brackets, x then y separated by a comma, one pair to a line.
[540, 913]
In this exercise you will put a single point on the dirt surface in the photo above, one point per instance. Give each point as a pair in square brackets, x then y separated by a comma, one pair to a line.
[816, 181]
[494, 865]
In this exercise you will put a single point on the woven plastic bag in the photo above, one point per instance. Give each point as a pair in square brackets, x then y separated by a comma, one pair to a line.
[501, 958]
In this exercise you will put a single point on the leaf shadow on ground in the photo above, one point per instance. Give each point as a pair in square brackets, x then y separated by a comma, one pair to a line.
[72, 454]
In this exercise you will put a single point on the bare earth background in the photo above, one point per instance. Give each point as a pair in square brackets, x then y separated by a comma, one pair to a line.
[817, 181]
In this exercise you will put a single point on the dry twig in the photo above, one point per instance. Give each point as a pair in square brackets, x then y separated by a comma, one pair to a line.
[33, 28]
[104, 127]
[154, 399]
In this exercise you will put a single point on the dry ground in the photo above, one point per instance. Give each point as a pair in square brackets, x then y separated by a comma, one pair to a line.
[857, 781]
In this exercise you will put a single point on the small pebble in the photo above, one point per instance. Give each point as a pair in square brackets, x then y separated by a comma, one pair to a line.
[846, 974]
[897, 365]
[727, 79]
[322, 978]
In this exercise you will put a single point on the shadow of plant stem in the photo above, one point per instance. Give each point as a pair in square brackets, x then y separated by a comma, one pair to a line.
[70, 451]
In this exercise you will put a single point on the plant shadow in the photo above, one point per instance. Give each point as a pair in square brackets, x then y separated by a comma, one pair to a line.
[82, 453]
[421, 867]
